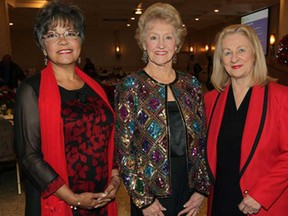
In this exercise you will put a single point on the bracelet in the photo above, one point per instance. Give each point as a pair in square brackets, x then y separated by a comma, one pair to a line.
[78, 203]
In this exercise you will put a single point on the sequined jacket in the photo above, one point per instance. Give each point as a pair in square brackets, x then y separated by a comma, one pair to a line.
[142, 135]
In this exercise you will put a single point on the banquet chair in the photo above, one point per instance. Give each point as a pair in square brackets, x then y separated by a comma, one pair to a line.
[7, 153]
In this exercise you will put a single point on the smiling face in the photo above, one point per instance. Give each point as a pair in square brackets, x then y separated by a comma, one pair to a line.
[62, 51]
[238, 57]
[160, 42]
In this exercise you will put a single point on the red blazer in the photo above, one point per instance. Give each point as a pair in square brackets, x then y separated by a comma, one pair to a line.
[266, 175]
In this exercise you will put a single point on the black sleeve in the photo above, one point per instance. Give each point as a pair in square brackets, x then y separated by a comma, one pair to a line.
[28, 140]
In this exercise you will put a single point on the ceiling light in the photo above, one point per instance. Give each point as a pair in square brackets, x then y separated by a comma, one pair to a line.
[197, 19]
[11, 24]
[132, 18]
[216, 10]
[128, 25]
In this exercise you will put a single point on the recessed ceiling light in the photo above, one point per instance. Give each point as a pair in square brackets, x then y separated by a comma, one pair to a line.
[216, 10]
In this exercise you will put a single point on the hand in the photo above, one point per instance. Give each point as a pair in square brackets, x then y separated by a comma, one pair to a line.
[249, 205]
[191, 208]
[88, 200]
[110, 192]
[154, 209]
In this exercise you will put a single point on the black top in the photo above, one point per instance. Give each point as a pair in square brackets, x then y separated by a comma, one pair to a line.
[177, 131]
[227, 192]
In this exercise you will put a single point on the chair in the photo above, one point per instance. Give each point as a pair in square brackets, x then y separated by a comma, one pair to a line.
[7, 153]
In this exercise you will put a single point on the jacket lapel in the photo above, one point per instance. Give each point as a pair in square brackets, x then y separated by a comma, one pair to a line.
[214, 128]
[252, 124]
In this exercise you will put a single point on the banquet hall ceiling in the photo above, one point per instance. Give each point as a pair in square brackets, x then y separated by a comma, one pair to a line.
[117, 14]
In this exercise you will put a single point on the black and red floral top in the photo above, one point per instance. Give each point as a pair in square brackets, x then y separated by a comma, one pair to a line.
[87, 127]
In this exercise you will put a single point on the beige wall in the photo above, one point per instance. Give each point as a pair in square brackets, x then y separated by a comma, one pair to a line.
[5, 42]
[100, 44]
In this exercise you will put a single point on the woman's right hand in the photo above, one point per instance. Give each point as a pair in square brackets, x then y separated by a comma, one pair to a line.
[90, 200]
[155, 209]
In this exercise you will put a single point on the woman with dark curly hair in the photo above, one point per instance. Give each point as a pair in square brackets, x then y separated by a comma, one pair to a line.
[65, 126]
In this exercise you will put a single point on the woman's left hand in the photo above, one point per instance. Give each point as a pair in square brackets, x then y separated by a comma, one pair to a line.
[249, 205]
[110, 192]
[191, 208]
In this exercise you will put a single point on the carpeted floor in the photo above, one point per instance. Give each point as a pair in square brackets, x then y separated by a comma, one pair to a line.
[12, 204]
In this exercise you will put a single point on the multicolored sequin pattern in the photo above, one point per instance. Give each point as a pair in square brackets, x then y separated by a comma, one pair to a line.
[142, 134]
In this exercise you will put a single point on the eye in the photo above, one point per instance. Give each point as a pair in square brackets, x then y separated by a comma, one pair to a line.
[51, 35]
[71, 34]
[153, 37]
[226, 52]
[241, 50]
[169, 37]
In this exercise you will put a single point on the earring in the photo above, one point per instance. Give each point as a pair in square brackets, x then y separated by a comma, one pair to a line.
[45, 59]
[174, 59]
[145, 56]
[79, 61]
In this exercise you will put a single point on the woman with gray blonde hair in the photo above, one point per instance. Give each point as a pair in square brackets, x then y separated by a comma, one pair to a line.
[161, 131]
[247, 147]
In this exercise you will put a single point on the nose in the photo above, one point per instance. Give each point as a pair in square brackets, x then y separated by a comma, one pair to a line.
[161, 43]
[234, 58]
[62, 39]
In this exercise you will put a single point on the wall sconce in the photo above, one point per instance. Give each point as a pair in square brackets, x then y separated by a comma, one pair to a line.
[191, 49]
[117, 51]
[206, 48]
[272, 40]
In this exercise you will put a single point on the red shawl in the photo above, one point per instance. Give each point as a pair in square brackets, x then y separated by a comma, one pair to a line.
[52, 137]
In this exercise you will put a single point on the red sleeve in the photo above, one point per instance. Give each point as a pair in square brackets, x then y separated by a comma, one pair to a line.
[53, 187]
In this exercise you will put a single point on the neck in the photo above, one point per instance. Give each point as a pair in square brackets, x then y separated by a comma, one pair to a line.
[66, 72]
[239, 92]
[163, 74]
[66, 77]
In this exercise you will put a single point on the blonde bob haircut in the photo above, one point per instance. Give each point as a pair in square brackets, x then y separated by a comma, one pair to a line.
[164, 12]
[220, 78]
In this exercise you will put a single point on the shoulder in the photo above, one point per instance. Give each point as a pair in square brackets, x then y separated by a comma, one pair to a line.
[30, 84]
[132, 79]
[276, 87]
[210, 97]
[277, 91]
[187, 77]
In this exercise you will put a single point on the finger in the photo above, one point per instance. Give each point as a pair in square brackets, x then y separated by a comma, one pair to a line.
[183, 212]
[109, 188]
[100, 204]
[99, 195]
